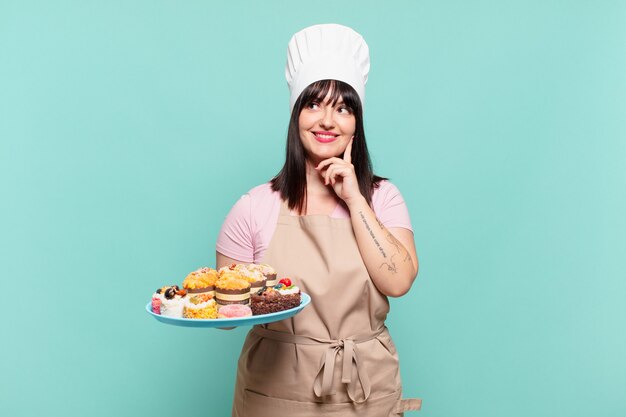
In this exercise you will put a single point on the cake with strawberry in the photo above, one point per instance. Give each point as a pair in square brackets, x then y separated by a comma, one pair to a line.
[282, 296]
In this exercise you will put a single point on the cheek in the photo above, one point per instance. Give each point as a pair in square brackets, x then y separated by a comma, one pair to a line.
[305, 121]
[349, 127]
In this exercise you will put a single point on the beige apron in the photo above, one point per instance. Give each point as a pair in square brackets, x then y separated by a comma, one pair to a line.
[334, 358]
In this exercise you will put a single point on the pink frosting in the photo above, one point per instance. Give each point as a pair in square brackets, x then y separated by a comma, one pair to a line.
[235, 310]
[156, 305]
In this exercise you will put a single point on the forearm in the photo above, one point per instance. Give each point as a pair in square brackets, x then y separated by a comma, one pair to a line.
[389, 263]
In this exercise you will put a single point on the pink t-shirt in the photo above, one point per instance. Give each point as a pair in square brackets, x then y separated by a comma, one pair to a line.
[250, 225]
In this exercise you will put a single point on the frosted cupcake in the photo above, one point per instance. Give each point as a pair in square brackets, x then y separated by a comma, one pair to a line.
[254, 276]
[268, 272]
[174, 301]
[229, 272]
[201, 306]
[232, 291]
[201, 281]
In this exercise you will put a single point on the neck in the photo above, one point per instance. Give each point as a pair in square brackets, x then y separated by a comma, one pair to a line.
[315, 182]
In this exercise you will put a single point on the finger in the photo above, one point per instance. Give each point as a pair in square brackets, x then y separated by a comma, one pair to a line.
[329, 173]
[338, 172]
[347, 154]
[326, 162]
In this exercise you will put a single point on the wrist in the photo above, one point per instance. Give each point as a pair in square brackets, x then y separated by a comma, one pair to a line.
[356, 202]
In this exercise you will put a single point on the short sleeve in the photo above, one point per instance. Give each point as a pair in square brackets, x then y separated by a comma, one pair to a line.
[390, 207]
[235, 239]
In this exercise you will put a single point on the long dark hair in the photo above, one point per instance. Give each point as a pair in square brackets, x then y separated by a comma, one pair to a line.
[291, 180]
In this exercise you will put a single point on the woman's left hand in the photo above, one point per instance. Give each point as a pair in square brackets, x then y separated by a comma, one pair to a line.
[339, 173]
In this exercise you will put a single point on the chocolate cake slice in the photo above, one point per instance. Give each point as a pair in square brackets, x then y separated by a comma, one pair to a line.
[270, 300]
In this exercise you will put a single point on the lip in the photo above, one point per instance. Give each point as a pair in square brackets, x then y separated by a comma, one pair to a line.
[325, 137]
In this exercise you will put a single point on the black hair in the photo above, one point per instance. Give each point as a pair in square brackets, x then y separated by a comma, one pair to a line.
[291, 180]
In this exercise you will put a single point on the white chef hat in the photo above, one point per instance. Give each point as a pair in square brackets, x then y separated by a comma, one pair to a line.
[328, 51]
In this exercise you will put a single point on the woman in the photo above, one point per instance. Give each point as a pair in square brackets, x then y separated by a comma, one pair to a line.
[344, 237]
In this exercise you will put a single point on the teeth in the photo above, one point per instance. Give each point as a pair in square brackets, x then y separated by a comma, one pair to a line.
[325, 136]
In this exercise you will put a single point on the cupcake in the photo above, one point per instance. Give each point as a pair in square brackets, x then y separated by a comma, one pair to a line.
[231, 271]
[254, 276]
[173, 302]
[200, 306]
[201, 281]
[232, 291]
[269, 273]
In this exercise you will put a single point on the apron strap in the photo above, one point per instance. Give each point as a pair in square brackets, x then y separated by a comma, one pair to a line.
[408, 404]
[284, 208]
[323, 383]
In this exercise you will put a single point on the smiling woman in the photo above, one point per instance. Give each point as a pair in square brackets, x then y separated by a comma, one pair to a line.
[328, 222]
[326, 117]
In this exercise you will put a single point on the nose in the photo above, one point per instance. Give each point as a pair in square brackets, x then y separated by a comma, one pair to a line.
[326, 118]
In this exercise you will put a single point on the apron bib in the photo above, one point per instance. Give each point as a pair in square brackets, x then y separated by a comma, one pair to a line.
[336, 356]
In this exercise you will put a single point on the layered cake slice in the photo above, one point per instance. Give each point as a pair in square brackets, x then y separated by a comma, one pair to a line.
[280, 297]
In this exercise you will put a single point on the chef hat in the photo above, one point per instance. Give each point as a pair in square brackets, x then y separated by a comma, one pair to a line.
[323, 52]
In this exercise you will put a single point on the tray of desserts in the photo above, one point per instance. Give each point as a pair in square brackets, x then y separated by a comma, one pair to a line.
[237, 295]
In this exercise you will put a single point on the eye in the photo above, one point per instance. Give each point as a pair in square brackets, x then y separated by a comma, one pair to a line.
[344, 109]
[313, 105]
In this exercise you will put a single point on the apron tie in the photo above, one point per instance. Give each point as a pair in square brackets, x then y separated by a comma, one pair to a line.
[323, 384]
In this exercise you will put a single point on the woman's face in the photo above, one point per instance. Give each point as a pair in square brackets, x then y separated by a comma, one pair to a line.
[326, 130]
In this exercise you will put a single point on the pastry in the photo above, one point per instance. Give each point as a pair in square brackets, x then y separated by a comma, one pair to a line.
[201, 281]
[173, 302]
[200, 306]
[232, 290]
[232, 311]
[267, 271]
[254, 276]
[280, 297]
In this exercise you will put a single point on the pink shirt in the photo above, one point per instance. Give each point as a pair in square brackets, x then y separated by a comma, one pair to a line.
[249, 227]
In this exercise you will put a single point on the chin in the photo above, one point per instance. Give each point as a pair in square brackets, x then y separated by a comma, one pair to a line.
[324, 155]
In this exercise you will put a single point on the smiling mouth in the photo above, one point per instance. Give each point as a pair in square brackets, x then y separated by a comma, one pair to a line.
[325, 137]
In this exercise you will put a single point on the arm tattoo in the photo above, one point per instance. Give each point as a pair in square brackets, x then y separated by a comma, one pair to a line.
[367, 226]
[390, 264]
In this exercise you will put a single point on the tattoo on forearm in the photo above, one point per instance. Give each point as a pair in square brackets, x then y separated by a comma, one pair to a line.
[391, 239]
[400, 250]
[371, 232]
[391, 267]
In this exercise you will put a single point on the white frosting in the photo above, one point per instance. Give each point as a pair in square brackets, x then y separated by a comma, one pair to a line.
[264, 268]
[254, 273]
[173, 307]
[294, 290]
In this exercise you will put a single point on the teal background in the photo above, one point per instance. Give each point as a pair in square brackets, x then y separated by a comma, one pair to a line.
[129, 128]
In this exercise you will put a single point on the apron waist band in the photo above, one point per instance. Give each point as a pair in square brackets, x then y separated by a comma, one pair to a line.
[310, 340]
[322, 385]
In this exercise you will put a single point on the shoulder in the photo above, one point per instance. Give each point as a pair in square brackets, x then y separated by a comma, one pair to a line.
[385, 191]
[245, 223]
[262, 192]
[262, 198]
[262, 202]
[389, 206]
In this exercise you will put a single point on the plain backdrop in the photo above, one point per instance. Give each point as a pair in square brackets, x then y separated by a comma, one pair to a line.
[129, 128]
